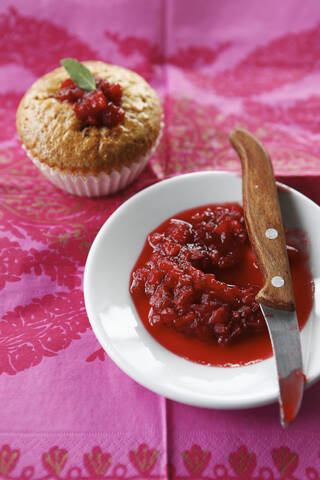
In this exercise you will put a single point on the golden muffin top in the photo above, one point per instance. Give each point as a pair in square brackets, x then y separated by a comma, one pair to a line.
[51, 132]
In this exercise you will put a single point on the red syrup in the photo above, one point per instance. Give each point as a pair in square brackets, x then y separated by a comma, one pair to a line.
[194, 284]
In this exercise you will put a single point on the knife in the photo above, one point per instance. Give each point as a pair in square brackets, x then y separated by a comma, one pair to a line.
[266, 234]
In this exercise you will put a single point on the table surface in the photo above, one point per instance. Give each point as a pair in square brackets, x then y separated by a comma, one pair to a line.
[66, 410]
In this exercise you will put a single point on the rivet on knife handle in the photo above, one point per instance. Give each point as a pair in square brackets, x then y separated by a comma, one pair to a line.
[267, 235]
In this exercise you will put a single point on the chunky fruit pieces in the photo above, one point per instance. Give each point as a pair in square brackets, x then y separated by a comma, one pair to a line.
[181, 277]
[100, 107]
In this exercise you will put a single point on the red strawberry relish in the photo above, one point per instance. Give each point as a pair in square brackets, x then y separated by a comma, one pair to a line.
[195, 282]
[100, 107]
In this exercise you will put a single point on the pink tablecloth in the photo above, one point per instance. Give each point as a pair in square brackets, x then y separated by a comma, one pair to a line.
[66, 410]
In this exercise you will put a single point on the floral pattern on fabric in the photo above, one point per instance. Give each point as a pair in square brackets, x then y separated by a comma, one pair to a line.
[241, 464]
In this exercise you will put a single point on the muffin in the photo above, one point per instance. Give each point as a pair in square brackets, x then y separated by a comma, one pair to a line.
[90, 143]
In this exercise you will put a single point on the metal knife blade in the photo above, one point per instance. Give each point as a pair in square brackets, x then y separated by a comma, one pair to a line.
[266, 234]
[285, 338]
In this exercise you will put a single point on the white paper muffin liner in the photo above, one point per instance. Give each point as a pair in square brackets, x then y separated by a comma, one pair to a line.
[94, 185]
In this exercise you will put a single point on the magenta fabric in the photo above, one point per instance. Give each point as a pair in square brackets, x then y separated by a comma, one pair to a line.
[66, 410]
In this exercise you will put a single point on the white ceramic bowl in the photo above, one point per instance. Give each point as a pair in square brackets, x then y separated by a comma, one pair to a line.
[118, 327]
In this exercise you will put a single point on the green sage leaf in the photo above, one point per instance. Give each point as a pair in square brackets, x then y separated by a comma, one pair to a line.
[79, 73]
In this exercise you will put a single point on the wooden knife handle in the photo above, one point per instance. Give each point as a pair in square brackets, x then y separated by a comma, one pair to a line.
[264, 222]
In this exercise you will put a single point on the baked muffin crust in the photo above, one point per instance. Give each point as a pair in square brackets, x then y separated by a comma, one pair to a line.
[51, 132]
